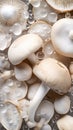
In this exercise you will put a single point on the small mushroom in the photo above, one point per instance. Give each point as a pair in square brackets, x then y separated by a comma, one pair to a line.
[44, 112]
[55, 76]
[23, 47]
[65, 123]
[62, 37]
[41, 28]
[61, 5]
[32, 90]
[23, 72]
[10, 117]
[11, 11]
[62, 105]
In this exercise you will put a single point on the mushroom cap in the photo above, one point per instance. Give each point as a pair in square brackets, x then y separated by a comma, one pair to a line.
[54, 73]
[41, 28]
[45, 111]
[23, 72]
[61, 37]
[65, 123]
[62, 105]
[22, 47]
[61, 5]
[10, 117]
[11, 11]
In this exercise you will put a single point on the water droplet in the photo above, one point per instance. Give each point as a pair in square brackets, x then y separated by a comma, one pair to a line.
[52, 17]
[16, 29]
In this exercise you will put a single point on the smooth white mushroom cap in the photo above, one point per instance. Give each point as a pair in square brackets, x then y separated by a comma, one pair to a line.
[61, 5]
[65, 123]
[62, 36]
[23, 72]
[33, 90]
[22, 47]
[54, 73]
[62, 105]
[45, 111]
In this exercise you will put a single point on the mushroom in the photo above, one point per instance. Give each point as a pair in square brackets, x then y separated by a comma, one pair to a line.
[65, 123]
[44, 112]
[41, 28]
[62, 37]
[61, 6]
[33, 90]
[32, 80]
[11, 11]
[55, 76]
[10, 117]
[23, 47]
[23, 72]
[35, 3]
[62, 105]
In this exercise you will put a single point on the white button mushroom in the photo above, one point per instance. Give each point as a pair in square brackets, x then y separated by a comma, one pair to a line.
[23, 72]
[44, 112]
[71, 67]
[62, 105]
[54, 73]
[61, 5]
[32, 90]
[62, 36]
[55, 76]
[24, 46]
[10, 117]
[11, 11]
[65, 123]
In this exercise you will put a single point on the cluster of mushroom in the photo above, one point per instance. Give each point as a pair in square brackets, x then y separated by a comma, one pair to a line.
[37, 62]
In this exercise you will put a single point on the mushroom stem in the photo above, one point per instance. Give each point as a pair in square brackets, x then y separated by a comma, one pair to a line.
[71, 34]
[33, 59]
[42, 91]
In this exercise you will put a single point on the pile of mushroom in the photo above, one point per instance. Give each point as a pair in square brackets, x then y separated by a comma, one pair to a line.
[36, 64]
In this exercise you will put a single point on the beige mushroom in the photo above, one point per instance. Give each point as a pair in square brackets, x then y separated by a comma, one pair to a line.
[23, 72]
[65, 123]
[62, 105]
[54, 75]
[41, 28]
[11, 11]
[10, 117]
[62, 37]
[24, 46]
[61, 5]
